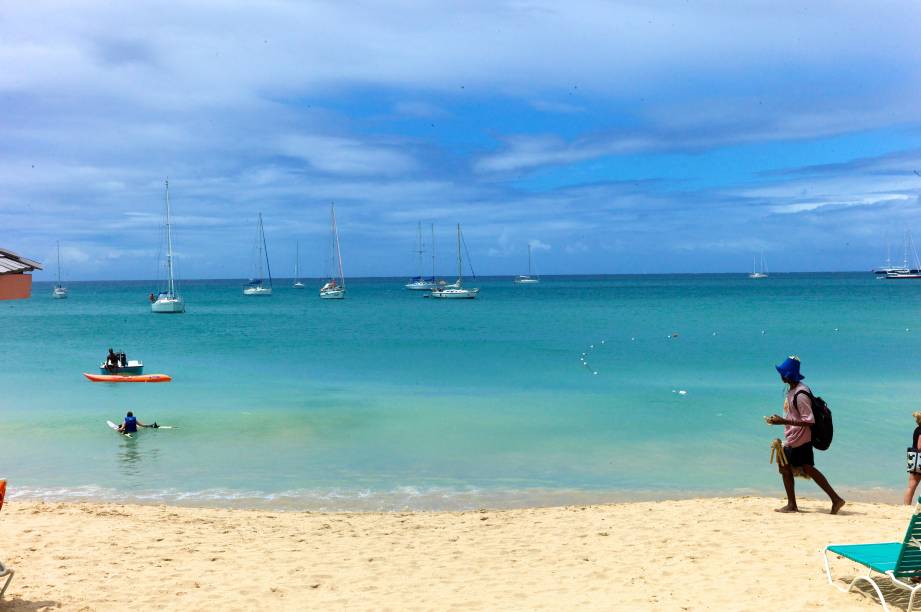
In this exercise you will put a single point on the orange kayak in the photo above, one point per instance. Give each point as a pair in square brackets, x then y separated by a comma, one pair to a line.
[140, 378]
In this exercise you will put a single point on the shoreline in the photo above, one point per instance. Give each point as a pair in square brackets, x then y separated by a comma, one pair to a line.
[694, 553]
[411, 499]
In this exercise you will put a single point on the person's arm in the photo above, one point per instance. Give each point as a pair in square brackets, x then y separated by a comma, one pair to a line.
[918, 441]
[141, 424]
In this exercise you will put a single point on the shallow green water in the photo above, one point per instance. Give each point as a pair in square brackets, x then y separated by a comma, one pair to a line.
[390, 400]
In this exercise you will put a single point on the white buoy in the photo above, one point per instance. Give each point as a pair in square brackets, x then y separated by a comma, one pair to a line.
[602, 342]
[682, 392]
[595, 373]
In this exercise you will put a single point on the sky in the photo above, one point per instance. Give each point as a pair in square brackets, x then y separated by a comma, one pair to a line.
[613, 137]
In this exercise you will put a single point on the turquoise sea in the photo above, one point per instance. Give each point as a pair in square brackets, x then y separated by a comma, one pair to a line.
[388, 400]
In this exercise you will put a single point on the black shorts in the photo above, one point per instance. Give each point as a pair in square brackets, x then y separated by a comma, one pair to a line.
[799, 456]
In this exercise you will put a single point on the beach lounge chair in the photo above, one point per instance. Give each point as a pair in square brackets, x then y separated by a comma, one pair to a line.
[899, 562]
[5, 571]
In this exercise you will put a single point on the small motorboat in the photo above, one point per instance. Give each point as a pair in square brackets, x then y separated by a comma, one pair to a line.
[133, 366]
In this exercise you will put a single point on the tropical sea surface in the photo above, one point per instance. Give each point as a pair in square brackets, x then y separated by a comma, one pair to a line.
[388, 400]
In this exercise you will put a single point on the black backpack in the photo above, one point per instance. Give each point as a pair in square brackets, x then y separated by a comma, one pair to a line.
[823, 430]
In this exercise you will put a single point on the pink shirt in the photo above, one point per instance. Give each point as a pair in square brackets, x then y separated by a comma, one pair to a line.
[797, 436]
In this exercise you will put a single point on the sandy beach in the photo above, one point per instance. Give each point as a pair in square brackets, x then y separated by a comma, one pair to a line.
[715, 553]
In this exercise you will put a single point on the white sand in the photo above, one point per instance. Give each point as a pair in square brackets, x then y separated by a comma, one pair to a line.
[718, 554]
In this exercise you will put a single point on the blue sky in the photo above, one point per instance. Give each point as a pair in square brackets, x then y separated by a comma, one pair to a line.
[615, 137]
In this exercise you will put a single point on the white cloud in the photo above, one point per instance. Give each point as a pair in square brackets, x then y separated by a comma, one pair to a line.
[347, 156]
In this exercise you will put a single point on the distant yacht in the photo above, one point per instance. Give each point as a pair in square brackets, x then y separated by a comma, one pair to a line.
[60, 291]
[907, 271]
[756, 273]
[527, 279]
[456, 290]
[169, 301]
[334, 289]
[256, 286]
[297, 261]
[420, 283]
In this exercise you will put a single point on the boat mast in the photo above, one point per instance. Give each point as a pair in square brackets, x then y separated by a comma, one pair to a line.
[433, 252]
[265, 248]
[59, 263]
[332, 210]
[460, 273]
[529, 259]
[297, 258]
[169, 246]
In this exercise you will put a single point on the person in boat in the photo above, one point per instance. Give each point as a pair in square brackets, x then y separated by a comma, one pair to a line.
[797, 420]
[152, 298]
[131, 424]
[112, 361]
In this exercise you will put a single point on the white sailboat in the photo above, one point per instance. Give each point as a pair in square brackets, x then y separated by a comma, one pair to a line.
[420, 283]
[456, 290]
[527, 279]
[756, 273]
[908, 270]
[256, 287]
[169, 301]
[60, 291]
[334, 289]
[297, 262]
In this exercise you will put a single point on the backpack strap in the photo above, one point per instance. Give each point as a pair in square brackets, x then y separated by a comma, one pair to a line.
[811, 401]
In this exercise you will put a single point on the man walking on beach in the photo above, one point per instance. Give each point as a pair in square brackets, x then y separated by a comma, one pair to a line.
[797, 420]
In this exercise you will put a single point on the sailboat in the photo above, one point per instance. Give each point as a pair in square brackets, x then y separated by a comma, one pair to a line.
[169, 301]
[527, 279]
[256, 287]
[456, 290]
[907, 271]
[420, 283]
[60, 291]
[334, 289]
[297, 262]
[756, 273]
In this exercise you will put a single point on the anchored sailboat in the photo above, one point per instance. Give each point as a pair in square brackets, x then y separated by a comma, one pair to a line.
[756, 273]
[334, 289]
[60, 291]
[297, 263]
[527, 279]
[907, 271]
[256, 287]
[456, 290]
[420, 283]
[169, 301]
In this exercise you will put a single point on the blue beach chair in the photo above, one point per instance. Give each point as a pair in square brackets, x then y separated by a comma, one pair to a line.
[900, 562]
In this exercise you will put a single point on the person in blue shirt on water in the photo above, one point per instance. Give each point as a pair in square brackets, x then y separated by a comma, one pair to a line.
[131, 424]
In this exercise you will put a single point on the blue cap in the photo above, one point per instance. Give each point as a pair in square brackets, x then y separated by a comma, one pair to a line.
[789, 369]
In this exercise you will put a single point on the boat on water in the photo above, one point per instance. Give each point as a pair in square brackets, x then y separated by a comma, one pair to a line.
[456, 290]
[60, 291]
[756, 271]
[421, 283]
[297, 263]
[256, 287]
[527, 279]
[168, 301]
[334, 288]
[906, 271]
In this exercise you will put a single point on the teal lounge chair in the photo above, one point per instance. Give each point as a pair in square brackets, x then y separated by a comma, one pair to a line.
[5, 571]
[900, 562]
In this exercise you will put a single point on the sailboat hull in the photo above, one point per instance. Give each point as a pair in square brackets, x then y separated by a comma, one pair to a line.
[333, 294]
[455, 294]
[59, 293]
[526, 280]
[168, 306]
[257, 291]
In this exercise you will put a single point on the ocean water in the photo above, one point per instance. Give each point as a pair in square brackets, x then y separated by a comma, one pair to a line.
[388, 400]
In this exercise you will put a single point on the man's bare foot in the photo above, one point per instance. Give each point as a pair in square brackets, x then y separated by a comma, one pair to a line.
[787, 508]
[837, 505]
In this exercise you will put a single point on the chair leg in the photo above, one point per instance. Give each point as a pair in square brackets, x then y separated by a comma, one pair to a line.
[867, 578]
[9, 578]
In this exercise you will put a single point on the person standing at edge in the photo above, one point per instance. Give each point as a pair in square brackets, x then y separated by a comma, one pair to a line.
[797, 420]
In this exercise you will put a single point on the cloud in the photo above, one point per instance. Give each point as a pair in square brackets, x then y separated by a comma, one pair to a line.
[537, 245]
[549, 106]
[346, 156]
